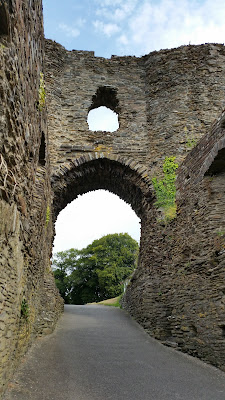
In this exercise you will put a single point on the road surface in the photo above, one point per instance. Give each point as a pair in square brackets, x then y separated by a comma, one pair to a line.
[100, 353]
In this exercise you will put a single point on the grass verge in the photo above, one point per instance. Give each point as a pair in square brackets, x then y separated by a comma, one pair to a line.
[114, 302]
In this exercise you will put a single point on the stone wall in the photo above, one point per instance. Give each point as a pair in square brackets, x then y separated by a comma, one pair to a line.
[25, 247]
[76, 82]
[178, 292]
[166, 102]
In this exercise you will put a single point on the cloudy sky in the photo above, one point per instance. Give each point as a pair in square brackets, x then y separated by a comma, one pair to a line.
[133, 27]
[122, 27]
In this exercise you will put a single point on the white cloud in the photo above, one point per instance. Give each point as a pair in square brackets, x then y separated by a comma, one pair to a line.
[69, 31]
[141, 26]
[108, 3]
[127, 7]
[123, 40]
[116, 10]
[108, 29]
[80, 22]
[171, 23]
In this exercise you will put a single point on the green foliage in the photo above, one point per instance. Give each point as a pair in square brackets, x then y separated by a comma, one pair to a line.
[221, 233]
[191, 141]
[24, 310]
[96, 272]
[48, 215]
[42, 94]
[166, 190]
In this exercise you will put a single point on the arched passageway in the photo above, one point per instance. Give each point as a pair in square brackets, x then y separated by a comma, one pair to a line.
[117, 176]
[92, 216]
[83, 176]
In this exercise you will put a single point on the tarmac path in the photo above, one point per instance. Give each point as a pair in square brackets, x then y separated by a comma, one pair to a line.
[100, 353]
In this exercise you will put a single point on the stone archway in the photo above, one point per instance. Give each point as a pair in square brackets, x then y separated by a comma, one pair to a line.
[118, 176]
[94, 172]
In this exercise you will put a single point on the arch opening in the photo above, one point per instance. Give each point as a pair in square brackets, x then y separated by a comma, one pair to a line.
[118, 177]
[106, 96]
[95, 248]
[42, 151]
[91, 216]
[103, 119]
[101, 173]
[104, 111]
[4, 26]
[218, 165]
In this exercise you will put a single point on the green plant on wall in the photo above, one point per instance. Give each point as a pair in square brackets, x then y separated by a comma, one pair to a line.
[24, 311]
[191, 141]
[221, 233]
[48, 215]
[165, 189]
[41, 92]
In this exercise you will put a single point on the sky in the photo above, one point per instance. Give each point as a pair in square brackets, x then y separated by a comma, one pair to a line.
[133, 27]
[122, 27]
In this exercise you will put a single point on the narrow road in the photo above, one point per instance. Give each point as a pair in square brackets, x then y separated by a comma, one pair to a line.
[100, 353]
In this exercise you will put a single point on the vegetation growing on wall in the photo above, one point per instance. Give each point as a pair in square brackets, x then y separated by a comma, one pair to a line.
[24, 312]
[165, 189]
[191, 140]
[97, 272]
[48, 215]
[41, 92]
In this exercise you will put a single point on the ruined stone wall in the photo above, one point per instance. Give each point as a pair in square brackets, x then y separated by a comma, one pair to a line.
[178, 293]
[185, 94]
[25, 277]
[167, 101]
[208, 155]
[72, 79]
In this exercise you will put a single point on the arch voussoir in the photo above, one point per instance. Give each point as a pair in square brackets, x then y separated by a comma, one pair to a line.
[100, 171]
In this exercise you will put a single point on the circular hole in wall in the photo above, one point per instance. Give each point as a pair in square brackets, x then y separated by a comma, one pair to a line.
[103, 119]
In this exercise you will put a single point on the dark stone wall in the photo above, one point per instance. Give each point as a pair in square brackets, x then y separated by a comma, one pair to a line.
[177, 293]
[166, 102]
[24, 186]
[185, 94]
[73, 78]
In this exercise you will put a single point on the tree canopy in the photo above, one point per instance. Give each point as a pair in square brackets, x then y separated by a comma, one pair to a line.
[96, 272]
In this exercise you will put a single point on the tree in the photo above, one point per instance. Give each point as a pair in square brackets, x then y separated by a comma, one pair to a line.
[63, 264]
[98, 271]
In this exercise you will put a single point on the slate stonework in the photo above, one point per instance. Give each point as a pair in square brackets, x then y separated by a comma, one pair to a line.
[166, 103]
[25, 240]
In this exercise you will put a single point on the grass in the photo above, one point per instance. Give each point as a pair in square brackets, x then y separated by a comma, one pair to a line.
[114, 302]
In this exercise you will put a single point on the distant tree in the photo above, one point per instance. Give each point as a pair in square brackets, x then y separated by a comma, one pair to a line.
[96, 272]
[63, 263]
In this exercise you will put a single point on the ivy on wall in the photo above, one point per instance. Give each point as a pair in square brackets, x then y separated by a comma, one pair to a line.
[41, 92]
[165, 189]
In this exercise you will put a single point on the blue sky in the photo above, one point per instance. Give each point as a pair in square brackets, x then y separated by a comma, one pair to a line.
[133, 27]
[122, 27]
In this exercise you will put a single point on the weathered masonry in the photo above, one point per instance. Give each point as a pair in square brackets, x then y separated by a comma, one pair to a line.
[26, 283]
[169, 103]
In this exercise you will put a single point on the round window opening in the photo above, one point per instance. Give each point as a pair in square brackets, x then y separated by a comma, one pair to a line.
[103, 119]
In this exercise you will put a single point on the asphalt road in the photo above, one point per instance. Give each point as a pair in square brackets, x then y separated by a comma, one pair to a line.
[100, 353]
